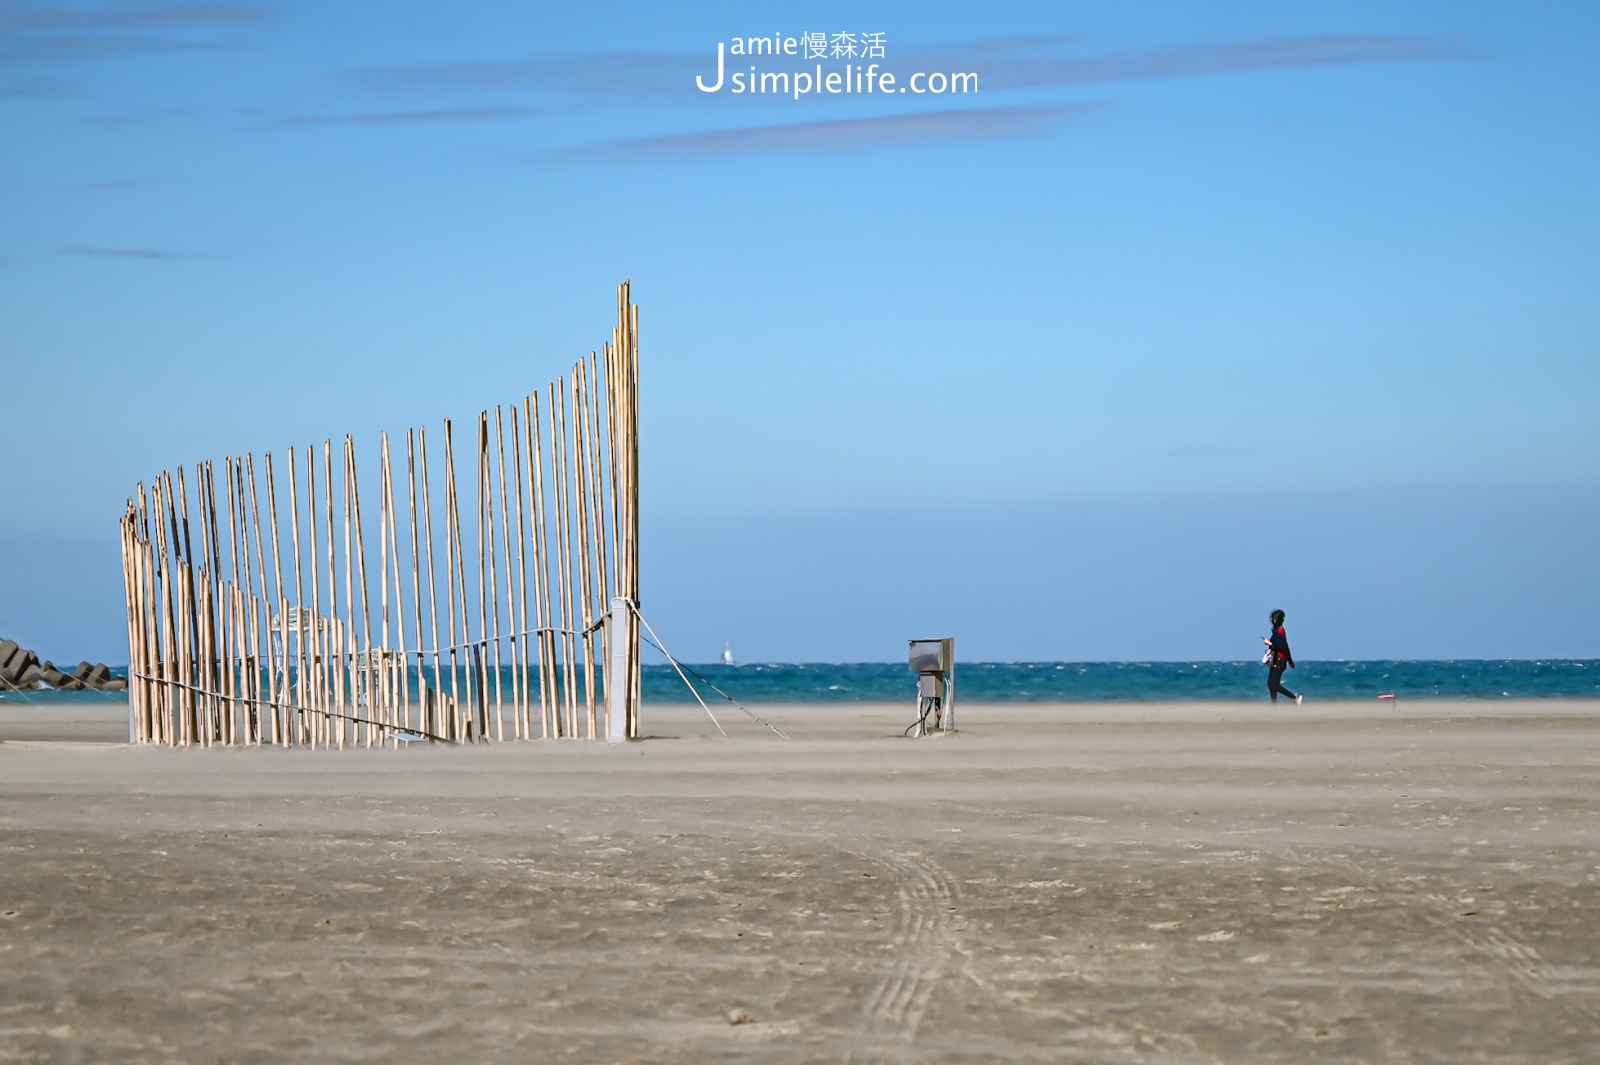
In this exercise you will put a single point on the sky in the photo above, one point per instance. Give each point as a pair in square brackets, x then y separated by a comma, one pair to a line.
[1186, 313]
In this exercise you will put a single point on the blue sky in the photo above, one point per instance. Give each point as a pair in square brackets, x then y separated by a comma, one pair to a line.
[1190, 312]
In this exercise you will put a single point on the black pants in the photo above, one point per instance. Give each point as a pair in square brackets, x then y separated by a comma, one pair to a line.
[1275, 680]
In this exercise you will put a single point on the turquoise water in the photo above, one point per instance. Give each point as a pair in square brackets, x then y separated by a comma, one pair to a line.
[1143, 681]
[1102, 681]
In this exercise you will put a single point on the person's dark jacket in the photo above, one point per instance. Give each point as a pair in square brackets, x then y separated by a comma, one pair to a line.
[1280, 646]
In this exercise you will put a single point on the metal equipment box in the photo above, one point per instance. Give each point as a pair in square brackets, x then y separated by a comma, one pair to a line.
[932, 656]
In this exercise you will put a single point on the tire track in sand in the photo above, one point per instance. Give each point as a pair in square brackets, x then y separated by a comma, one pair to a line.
[1519, 960]
[925, 899]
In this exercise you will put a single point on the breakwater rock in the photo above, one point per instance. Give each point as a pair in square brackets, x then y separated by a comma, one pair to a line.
[21, 669]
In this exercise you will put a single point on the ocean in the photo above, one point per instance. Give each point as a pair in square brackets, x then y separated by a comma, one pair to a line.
[1142, 681]
[818, 682]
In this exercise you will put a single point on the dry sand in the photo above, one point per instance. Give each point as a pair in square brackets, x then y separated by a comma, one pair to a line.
[1098, 883]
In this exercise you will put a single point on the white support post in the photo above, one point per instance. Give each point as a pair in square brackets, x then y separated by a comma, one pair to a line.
[618, 680]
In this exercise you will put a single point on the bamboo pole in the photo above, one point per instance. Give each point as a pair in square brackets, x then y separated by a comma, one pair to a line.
[451, 551]
[256, 595]
[488, 599]
[218, 592]
[467, 712]
[196, 718]
[597, 480]
[184, 605]
[227, 704]
[543, 619]
[221, 594]
[385, 536]
[361, 581]
[156, 693]
[193, 658]
[246, 593]
[569, 510]
[400, 686]
[169, 714]
[125, 542]
[154, 724]
[198, 632]
[505, 537]
[399, 660]
[632, 316]
[558, 454]
[580, 452]
[211, 591]
[146, 717]
[242, 582]
[146, 720]
[262, 732]
[309, 610]
[251, 601]
[349, 672]
[280, 723]
[525, 720]
[172, 711]
[614, 422]
[139, 692]
[317, 653]
[416, 586]
[510, 603]
[242, 592]
[134, 604]
[196, 614]
[435, 725]
[333, 662]
[597, 529]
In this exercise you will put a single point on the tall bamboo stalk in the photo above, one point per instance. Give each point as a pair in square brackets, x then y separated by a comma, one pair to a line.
[524, 699]
[543, 619]
[452, 551]
[435, 722]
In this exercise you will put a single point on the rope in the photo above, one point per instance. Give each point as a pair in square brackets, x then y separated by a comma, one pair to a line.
[404, 729]
[635, 608]
[681, 669]
[19, 691]
[6, 685]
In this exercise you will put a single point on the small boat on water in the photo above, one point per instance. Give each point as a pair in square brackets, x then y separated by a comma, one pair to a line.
[727, 654]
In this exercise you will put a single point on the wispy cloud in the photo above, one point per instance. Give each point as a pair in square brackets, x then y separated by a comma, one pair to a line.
[37, 36]
[449, 114]
[99, 18]
[943, 127]
[121, 184]
[589, 74]
[146, 254]
[1001, 63]
[31, 86]
[1037, 62]
[1202, 452]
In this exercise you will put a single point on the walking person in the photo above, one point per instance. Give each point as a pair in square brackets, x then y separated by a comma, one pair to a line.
[1279, 659]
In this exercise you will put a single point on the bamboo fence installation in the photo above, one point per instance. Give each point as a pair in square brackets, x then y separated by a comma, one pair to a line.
[258, 615]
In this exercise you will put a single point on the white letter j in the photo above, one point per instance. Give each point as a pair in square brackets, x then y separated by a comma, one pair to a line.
[718, 85]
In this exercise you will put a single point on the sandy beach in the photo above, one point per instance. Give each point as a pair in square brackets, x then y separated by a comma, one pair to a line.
[1202, 882]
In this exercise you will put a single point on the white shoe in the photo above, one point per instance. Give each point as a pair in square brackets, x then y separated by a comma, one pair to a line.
[1298, 699]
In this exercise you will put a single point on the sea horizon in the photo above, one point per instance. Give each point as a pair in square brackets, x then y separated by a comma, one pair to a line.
[1147, 680]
